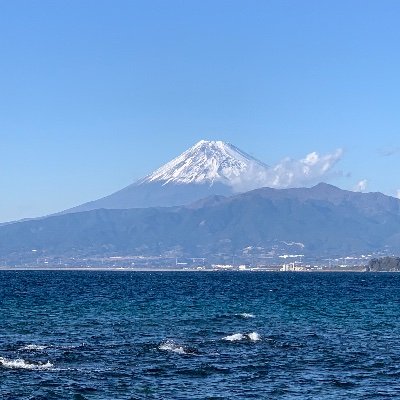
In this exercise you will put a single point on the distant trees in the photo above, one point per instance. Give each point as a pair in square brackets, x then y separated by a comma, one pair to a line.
[387, 264]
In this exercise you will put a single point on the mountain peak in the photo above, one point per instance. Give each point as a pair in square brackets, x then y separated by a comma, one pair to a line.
[207, 162]
[210, 167]
[326, 187]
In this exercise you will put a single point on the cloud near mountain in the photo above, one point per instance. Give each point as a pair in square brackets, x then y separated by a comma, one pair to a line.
[361, 186]
[215, 168]
[290, 172]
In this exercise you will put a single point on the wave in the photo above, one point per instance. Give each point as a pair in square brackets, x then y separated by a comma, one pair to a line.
[170, 345]
[33, 347]
[72, 347]
[235, 337]
[246, 315]
[252, 336]
[40, 347]
[19, 363]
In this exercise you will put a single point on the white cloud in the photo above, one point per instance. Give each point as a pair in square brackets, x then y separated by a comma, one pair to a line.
[398, 193]
[361, 186]
[293, 173]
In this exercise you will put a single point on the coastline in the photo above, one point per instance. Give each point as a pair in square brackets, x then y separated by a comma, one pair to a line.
[128, 269]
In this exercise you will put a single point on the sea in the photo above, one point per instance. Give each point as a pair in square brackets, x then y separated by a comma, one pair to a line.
[199, 335]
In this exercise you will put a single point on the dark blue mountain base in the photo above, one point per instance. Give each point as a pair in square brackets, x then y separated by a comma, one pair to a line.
[322, 221]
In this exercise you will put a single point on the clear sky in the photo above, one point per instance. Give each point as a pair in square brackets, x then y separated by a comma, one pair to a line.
[96, 94]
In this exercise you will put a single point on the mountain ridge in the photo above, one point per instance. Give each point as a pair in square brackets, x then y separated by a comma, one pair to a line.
[349, 223]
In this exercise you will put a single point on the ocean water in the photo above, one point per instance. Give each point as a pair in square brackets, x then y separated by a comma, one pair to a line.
[199, 335]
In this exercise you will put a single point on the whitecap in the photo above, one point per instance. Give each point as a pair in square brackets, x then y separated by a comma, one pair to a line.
[73, 347]
[19, 363]
[235, 337]
[246, 315]
[33, 347]
[254, 336]
[170, 345]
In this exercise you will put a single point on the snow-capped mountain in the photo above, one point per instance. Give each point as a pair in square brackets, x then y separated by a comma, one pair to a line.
[208, 168]
[208, 162]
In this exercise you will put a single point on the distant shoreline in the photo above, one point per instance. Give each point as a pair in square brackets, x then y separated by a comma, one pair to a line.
[113, 269]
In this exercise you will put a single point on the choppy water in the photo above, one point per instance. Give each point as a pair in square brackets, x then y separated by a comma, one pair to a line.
[133, 335]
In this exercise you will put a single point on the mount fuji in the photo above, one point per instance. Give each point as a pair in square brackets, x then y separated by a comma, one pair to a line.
[206, 169]
[162, 214]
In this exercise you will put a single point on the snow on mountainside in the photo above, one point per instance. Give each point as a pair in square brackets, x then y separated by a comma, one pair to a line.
[208, 162]
[208, 168]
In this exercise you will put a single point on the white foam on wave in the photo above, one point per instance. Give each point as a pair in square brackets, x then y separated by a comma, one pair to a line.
[252, 336]
[235, 337]
[33, 347]
[246, 315]
[72, 346]
[170, 345]
[19, 363]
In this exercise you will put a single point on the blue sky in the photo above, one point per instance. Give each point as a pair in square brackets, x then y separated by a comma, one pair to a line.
[96, 94]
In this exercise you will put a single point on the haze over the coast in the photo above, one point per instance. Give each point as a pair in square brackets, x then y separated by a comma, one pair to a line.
[97, 95]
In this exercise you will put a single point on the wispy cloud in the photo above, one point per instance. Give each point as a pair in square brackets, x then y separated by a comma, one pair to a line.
[361, 186]
[290, 172]
[389, 151]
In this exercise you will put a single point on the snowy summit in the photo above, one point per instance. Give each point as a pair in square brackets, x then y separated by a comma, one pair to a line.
[208, 168]
[209, 162]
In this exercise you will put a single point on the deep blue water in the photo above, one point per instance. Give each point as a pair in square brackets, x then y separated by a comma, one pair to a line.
[170, 335]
